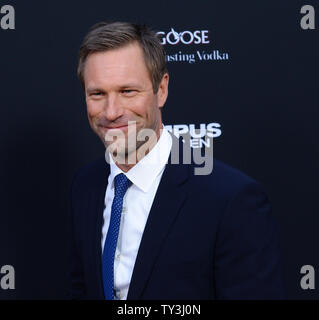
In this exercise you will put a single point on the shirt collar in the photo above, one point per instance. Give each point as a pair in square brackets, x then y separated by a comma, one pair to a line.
[149, 167]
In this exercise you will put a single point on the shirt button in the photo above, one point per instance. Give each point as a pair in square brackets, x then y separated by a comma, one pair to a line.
[119, 295]
[124, 209]
[118, 256]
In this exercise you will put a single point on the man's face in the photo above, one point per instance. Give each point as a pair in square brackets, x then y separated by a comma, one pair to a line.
[119, 89]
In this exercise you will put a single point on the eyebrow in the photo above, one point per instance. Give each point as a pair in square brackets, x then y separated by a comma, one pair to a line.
[94, 89]
[131, 85]
[127, 85]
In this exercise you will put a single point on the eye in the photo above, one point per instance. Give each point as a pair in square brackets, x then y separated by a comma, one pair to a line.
[128, 92]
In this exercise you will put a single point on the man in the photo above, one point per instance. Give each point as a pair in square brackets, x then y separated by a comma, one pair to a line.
[142, 227]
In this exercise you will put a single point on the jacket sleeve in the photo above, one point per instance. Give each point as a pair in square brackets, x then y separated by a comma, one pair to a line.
[76, 284]
[247, 255]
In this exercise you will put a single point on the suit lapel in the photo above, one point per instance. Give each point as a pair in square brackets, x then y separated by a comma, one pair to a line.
[98, 205]
[166, 206]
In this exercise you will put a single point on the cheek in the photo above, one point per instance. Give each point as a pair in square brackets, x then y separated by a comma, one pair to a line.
[94, 108]
[144, 107]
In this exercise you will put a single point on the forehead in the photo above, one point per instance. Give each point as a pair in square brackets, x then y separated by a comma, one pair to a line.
[114, 66]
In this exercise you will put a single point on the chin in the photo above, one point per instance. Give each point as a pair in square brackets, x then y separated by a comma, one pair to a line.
[119, 148]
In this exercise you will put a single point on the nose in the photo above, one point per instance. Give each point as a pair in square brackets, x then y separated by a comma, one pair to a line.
[112, 107]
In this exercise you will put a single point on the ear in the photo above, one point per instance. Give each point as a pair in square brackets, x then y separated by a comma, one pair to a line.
[162, 92]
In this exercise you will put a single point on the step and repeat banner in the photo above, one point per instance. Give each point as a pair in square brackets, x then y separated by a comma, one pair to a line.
[243, 75]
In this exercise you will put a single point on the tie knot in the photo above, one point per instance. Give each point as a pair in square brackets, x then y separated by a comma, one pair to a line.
[121, 184]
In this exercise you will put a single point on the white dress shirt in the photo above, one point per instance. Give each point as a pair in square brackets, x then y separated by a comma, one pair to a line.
[145, 177]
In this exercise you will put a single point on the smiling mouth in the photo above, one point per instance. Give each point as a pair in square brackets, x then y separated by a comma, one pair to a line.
[127, 128]
[113, 128]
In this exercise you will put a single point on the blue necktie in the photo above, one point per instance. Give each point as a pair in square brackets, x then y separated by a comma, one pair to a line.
[121, 184]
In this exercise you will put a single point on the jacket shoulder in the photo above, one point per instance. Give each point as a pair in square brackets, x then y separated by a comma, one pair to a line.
[93, 173]
[225, 181]
[222, 170]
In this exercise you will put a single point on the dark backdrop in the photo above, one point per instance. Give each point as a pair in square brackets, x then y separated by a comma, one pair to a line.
[264, 97]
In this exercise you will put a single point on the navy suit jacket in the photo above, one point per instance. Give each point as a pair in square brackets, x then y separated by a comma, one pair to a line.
[206, 237]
